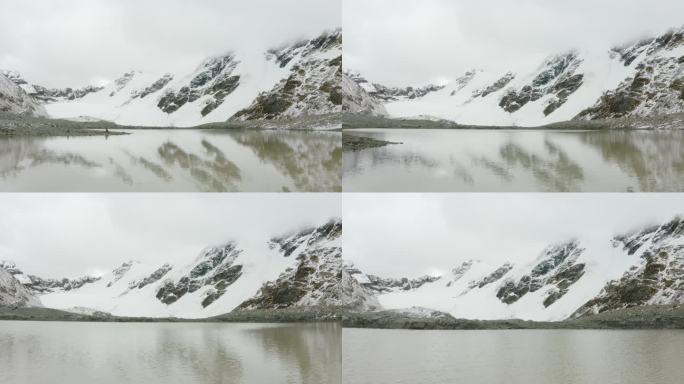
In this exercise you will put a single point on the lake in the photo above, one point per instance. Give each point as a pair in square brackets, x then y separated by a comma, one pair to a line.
[167, 353]
[512, 356]
[516, 160]
[174, 160]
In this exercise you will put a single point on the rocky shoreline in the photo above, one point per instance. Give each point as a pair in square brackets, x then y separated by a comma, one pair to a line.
[671, 121]
[286, 315]
[12, 125]
[17, 126]
[352, 143]
[646, 317]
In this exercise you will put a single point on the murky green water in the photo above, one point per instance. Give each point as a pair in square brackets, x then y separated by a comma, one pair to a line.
[512, 356]
[520, 160]
[174, 160]
[168, 353]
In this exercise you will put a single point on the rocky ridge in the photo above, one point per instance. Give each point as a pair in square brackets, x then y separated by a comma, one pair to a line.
[557, 78]
[14, 99]
[358, 101]
[657, 276]
[13, 293]
[312, 86]
[656, 86]
[314, 278]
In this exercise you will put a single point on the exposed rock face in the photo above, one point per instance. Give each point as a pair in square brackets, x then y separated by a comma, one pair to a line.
[153, 278]
[120, 272]
[462, 81]
[655, 88]
[214, 79]
[214, 267]
[14, 99]
[357, 296]
[496, 275]
[307, 237]
[357, 100]
[313, 85]
[38, 285]
[497, 86]
[394, 93]
[378, 284]
[556, 271]
[556, 78]
[658, 276]
[385, 94]
[459, 271]
[13, 293]
[316, 277]
[122, 81]
[154, 87]
[324, 42]
[47, 95]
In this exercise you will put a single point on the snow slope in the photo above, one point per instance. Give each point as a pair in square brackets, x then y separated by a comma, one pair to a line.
[641, 79]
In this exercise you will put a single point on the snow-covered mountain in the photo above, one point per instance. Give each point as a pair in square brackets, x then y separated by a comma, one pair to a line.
[577, 277]
[641, 79]
[13, 293]
[14, 99]
[299, 269]
[294, 80]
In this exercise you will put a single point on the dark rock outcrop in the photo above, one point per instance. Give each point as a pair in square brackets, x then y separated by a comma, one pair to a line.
[655, 279]
[215, 268]
[557, 78]
[556, 269]
[215, 79]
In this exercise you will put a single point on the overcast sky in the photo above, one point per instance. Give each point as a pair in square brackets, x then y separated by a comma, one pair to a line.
[409, 235]
[63, 235]
[76, 42]
[408, 42]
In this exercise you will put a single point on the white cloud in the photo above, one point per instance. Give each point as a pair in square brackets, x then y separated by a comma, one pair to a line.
[77, 42]
[407, 42]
